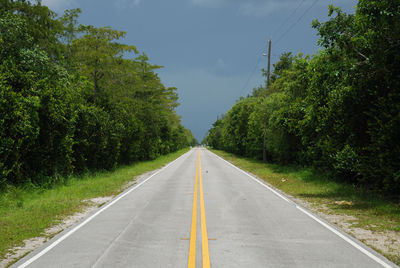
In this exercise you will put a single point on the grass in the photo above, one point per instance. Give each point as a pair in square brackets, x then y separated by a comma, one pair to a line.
[370, 211]
[26, 213]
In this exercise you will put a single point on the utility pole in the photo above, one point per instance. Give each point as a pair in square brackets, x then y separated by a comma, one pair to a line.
[268, 83]
[269, 62]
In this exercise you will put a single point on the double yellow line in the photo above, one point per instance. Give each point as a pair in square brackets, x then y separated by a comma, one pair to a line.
[193, 231]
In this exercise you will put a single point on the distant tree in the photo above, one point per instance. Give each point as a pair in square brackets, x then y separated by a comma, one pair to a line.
[95, 53]
[338, 110]
[72, 100]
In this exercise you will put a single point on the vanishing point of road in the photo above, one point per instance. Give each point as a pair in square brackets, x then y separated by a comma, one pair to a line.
[201, 211]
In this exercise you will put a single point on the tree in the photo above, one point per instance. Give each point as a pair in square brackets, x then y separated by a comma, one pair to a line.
[338, 110]
[95, 53]
[71, 100]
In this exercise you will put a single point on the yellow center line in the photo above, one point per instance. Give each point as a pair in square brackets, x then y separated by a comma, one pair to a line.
[204, 237]
[193, 231]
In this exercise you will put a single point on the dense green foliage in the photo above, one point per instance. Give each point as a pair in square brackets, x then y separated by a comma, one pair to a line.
[72, 100]
[338, 110]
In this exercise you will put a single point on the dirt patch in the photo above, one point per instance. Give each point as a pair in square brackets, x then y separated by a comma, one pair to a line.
[18, 252]
[386, 242]
[89, 205]
[344, 202]
[31, 244]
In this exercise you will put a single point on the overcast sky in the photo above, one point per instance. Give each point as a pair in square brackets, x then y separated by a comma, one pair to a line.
[209, 48]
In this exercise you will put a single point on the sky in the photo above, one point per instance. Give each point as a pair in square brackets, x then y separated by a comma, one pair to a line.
[211, 50]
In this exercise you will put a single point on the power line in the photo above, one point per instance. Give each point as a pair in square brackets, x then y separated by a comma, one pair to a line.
[288, 17]
[254, 69]
[296, 22]
[282, 36]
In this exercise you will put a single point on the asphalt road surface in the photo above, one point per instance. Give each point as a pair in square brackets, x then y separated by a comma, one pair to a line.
[201, 211]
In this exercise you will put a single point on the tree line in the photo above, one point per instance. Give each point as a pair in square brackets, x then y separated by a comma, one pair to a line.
[338, 110]
[73, 98]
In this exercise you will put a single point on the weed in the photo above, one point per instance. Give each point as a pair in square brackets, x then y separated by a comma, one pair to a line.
[27, 211]
[372, 211]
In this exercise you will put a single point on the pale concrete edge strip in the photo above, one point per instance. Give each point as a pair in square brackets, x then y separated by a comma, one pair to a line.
[59, 240]
[332, 229]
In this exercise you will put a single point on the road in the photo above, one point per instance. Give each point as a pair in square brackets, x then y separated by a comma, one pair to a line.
[201, 211]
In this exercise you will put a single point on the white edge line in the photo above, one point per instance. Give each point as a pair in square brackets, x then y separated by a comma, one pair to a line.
[59, 240]
[256, 180]
[344, 237]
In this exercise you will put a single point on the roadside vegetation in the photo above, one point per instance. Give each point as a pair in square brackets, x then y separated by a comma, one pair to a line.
[326, 129]
[77, 108]
[337, 111]
[343, 204]
[28, 212]
[74, 99]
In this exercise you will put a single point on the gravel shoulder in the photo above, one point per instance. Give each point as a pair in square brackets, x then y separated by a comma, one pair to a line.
[385, 242]
[89, 207]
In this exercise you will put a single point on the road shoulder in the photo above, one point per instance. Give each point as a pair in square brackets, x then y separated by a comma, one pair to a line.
[337, 210]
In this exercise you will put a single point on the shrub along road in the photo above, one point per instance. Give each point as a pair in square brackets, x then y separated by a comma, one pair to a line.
[200, 211]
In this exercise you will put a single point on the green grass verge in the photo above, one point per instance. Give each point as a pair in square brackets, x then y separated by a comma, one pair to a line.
[26, 213]
[370, 211]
